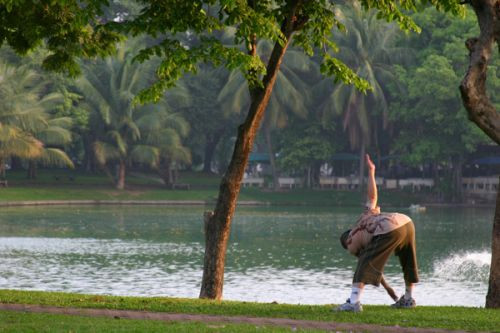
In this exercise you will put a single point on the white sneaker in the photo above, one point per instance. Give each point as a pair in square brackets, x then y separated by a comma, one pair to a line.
[349, 307]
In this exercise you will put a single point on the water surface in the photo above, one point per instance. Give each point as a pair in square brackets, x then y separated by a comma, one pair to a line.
[283, 254]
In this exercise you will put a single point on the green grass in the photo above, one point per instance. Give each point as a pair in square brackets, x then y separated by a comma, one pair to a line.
[41, 322]
[459, 318]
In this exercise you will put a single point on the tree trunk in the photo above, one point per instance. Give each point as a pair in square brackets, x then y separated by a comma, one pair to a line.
[483, 113]
[218, 223]
[165, 172]
[473, 87]
[32, 170]
[493, 296]
[309, 178]
[16, 163]
[362, 152]
[211, 143]
[2, 168]
[457, 179]
[175, 172]
[89, 161]
[120, 182]
[272, 160]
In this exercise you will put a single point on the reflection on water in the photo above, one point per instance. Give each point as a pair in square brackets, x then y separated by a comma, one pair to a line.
[288, 255]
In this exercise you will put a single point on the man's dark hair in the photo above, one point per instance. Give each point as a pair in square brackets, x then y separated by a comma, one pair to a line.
[343, 238]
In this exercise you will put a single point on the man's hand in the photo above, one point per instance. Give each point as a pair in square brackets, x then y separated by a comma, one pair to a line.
[370, 165]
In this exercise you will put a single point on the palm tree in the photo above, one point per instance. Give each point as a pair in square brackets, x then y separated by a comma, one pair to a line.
[27, 128]
[123, 133]
[368, 48]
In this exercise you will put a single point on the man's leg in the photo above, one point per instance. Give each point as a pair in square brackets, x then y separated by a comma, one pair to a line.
[408, 260]
[353, 303]
[408, 290]
[356, 291]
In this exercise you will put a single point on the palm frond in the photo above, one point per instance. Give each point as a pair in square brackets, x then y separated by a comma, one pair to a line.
[145, 154]
[55, 135]
[105, 152]
[55, 157]
[118, 140]
[64, 122]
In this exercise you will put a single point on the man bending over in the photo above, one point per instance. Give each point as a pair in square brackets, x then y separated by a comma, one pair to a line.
[373, 239]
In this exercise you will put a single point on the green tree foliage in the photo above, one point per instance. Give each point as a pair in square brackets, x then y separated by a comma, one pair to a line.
[211, 122]
[305, 146]
[432, 123]
[69, 29]
[428, 105]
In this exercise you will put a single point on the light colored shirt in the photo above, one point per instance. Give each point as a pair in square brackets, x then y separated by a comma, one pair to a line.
[372, 223]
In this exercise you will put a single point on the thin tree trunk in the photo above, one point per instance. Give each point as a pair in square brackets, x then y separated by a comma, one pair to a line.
[272, 160]
[175, 172]
[457, 179]
[483, 113]
[89, 160]
[16, 163]
[211, 143]
[2, 168]
[120, 183]
[32, 170]
[309, 178]
[493, 295]
[218, 223]
[362, 152]
[165, 172]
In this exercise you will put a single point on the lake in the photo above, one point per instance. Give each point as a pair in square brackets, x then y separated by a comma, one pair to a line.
[282, 254]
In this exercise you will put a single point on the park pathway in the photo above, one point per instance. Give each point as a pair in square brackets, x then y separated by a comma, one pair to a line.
[258, 321]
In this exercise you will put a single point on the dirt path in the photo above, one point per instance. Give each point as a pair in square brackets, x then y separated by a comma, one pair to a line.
[292, 323]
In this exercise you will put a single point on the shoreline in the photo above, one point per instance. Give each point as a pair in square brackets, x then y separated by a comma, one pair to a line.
[202, 203]
[120, 202]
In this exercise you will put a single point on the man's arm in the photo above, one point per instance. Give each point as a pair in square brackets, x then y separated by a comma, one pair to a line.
[371, 194]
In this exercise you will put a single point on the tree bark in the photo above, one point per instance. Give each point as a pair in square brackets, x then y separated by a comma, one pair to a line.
[362, 152]
[473, 87]
[457, 179]
[218, 222]
[493, 296]
[16, 163]
[165, 172]
[211, 143]
[2, 168]
[32, 170]
[89, 160]
[272, 160]
[120, 182]
[483, 113]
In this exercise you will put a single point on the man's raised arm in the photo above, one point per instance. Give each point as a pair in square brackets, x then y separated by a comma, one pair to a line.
[371, 193]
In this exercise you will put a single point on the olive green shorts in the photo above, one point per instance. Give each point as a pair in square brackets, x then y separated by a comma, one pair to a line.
[372, 259]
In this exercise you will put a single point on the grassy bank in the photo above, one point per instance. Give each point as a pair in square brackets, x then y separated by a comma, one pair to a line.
[65, 185]
[459, 318]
